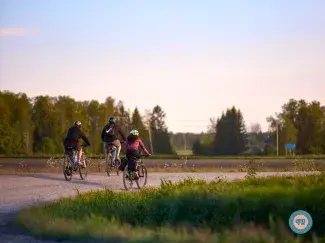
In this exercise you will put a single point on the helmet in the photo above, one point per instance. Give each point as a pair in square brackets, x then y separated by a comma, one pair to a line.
[112, 119]
[77, 123]
[134, 132]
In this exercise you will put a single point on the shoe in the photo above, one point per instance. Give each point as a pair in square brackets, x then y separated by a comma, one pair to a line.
[81, 164]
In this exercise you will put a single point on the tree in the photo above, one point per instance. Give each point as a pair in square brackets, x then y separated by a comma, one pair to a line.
[137, 123]
[230, 138]
[45, 121]
[160, 137]
[96, 123]
[301, 123]
[124, 119]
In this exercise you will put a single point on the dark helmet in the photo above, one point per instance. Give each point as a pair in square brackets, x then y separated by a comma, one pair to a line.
[77, 123]
[112, 119]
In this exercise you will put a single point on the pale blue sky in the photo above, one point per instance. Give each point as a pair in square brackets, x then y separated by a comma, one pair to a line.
[193, 58]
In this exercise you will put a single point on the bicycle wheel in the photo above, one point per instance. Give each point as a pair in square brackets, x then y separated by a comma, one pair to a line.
[143, 176]
[83, 170]
[108, 162]
[117, 165]
[128, 184]
[67, 168]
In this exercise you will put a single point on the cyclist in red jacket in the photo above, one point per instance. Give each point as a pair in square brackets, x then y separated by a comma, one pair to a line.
[133, 143]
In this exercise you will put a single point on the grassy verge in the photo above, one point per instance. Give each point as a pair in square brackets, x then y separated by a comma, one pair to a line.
[189, 211]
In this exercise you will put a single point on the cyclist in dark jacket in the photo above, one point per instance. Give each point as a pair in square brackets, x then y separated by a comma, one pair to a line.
[109, 135]
[72, 139]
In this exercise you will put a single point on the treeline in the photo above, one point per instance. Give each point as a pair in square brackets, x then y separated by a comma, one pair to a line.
[38, 125]
[299, 123]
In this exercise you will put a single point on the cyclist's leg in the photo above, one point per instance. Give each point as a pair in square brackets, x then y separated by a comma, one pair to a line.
[78, 148]
[105, 149]
[132, 156]
[117, 144]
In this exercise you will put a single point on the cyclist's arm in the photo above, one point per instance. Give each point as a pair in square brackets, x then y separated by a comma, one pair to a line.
[103, 134]
[121, 133]
[84, 137]
[143, 147]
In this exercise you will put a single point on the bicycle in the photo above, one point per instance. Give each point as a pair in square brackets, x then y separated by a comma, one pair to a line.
[111, 160]
[70, 165]
[128, 176]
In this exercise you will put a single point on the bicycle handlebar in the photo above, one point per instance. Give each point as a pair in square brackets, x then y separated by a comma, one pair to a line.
[144, 156]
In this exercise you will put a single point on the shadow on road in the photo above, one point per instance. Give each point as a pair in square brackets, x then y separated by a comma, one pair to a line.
[54, 178]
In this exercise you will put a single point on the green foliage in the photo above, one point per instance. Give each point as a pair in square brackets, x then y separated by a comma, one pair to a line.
[216, 209]
[160, 136]
[137, 123]
[301, 123]
[229, 136]
[39, 125]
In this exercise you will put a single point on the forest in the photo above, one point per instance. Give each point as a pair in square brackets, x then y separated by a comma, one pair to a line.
[37, 125]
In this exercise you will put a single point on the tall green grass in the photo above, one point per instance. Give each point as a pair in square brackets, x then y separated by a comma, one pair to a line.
[252, 210]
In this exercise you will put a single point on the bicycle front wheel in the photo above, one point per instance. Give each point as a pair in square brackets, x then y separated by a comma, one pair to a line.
[128, 184]
[83, 170]
[143, 176]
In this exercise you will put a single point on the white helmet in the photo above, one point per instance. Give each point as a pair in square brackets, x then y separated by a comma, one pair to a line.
[134, 132]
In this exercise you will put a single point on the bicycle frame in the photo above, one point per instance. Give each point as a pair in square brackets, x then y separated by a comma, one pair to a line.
[111, 149]
[70, 155]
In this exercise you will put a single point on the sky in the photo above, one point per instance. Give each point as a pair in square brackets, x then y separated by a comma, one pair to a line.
[193, 58]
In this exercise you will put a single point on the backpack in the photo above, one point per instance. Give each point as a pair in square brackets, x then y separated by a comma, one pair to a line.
[110, 131]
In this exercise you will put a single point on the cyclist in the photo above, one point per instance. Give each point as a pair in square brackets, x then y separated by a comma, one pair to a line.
[132, 150]
[109, 135]
[72, 139]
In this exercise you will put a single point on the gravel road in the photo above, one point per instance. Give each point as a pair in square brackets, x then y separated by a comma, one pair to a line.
[17, 191]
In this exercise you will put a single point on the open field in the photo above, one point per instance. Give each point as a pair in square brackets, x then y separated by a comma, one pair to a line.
[182, 157]
[209, 210]
[14, 165]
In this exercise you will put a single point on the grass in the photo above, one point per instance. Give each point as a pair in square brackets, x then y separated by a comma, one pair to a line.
[251, 210]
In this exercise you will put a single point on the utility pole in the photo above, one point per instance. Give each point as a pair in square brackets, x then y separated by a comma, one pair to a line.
[277, 138]
[277, 135]
[184, 135]
[147, 119]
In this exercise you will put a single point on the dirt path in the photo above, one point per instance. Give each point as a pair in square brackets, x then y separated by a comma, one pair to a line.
[17, 191]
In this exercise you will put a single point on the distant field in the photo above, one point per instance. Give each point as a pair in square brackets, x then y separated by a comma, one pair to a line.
[54, 164]
[181, 157]
[184, 152]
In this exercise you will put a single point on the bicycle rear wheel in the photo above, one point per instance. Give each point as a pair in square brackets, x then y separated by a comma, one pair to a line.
[83, 170]
[67, 168]
[143, 176]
